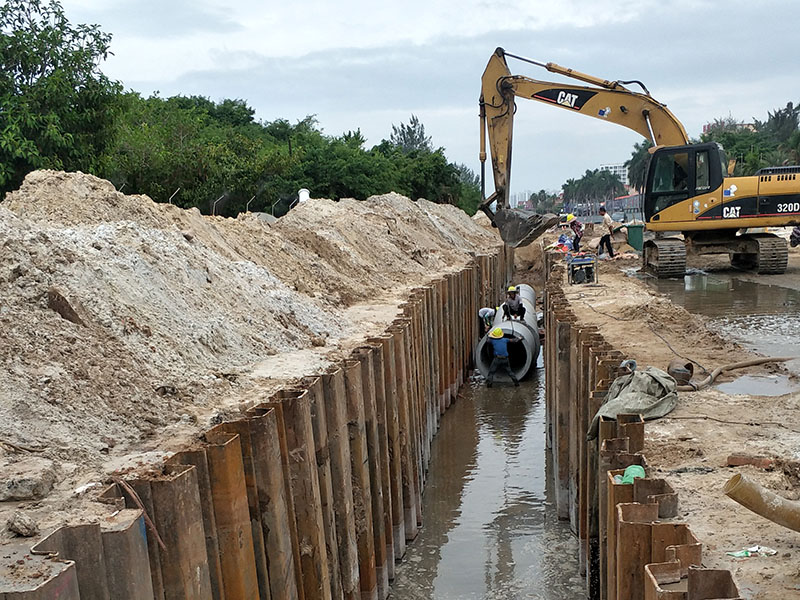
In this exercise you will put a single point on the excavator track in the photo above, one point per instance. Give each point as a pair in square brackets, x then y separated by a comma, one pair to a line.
[770, 256]
[665, 257]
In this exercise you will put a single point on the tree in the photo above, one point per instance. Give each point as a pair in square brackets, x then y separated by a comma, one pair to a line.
[469, 194]
[57, 110]
[411, 137]
[780, 124]
[637, 164]
[545, 202]
[596, 186]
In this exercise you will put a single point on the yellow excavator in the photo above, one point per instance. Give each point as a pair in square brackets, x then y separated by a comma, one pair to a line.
[690, 200]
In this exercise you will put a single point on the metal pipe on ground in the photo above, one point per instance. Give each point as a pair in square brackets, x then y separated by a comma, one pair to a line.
[522, 356]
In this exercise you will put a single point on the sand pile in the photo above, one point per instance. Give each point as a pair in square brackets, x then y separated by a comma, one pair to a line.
[120, 317]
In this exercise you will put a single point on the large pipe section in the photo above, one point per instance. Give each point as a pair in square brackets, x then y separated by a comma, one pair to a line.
[521, 356]
[763, 502]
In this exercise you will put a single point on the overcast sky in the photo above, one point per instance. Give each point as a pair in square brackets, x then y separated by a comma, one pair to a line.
[368, 65]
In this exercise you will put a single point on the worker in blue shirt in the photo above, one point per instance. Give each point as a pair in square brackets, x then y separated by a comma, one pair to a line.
[500, 361]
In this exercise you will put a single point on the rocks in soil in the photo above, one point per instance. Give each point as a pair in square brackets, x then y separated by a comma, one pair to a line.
[28, 479]
[58, 302]
[22, 524]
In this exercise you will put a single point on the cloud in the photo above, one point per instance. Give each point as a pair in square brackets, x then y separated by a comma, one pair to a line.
[357, 66]
[155, 19]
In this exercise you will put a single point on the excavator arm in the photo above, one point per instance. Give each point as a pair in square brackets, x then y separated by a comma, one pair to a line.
[605, 100]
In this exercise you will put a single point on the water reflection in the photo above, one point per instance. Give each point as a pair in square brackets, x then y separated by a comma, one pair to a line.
[490, 528]
[764, 318]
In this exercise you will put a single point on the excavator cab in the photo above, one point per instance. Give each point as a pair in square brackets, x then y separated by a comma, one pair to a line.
[677, 173]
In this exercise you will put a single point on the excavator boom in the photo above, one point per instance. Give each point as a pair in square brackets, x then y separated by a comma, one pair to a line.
[605, 100]
[686, 188]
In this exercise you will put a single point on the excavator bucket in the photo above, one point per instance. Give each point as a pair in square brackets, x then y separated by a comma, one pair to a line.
[519, 227]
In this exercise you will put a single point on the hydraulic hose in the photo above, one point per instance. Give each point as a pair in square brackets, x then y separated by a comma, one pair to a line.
[738, 365]
[763, 502]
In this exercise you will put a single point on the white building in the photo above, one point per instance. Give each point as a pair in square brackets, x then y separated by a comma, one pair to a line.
[620, 170]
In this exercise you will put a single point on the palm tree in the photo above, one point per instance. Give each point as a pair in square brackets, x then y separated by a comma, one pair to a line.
[637, 164]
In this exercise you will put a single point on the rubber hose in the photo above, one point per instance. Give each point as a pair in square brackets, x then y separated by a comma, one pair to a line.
[739, 365]
[763, 502]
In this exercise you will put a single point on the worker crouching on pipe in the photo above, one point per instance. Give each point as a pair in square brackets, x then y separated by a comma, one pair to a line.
[513, 306]
[500, 361]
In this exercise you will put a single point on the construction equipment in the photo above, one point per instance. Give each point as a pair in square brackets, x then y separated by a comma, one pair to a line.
[690, 200]
[581, 268]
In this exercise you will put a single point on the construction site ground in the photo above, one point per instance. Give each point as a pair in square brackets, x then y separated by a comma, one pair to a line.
[128, 327]
[691, 446]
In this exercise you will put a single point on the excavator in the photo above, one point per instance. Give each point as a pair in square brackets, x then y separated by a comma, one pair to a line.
[690, 201]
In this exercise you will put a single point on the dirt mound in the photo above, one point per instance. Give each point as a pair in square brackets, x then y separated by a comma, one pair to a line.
[122, 319]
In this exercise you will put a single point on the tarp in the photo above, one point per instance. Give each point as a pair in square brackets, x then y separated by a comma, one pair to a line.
[651, 393]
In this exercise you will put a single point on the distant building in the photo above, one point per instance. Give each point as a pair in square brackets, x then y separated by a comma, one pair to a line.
[708, 127]
[620, 170]
[519, 199]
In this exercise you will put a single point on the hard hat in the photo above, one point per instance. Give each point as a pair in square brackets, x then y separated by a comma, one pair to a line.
[496, 333]
[512, 288]
[570, 217]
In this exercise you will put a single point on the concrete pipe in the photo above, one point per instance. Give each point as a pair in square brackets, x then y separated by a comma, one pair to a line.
[763, 502]
[522, 356]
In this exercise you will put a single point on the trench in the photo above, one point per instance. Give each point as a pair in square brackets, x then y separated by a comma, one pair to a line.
[762, 318]
[491, 530]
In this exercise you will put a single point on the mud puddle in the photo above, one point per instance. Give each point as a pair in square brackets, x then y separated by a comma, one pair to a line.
[490, 529]
[754, 385]
[763, 318]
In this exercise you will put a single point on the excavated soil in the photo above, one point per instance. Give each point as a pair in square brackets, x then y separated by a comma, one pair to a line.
[127, 327]
[690, 447]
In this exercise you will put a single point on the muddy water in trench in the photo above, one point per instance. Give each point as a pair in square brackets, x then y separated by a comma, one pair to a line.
[764, 318]
[490, 527]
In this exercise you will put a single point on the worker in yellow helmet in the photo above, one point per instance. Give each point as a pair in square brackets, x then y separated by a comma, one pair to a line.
[577, 230]
[513, 305]
[499, 344]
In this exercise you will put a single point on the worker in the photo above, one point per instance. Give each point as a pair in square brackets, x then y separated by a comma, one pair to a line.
[577, 229]
[608, 231]
[500, 361]
[513, 305]
[485, 317]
